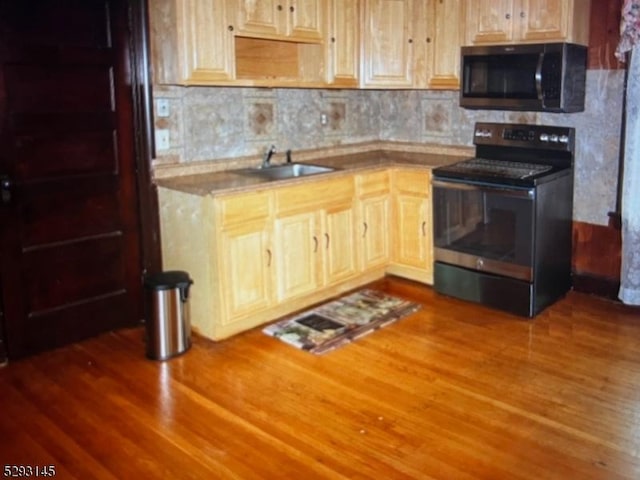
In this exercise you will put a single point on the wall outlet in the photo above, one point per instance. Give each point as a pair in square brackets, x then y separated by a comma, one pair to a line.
[162, 107]
[162, 140]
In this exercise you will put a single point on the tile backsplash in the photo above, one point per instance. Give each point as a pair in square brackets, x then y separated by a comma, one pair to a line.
[208, 123]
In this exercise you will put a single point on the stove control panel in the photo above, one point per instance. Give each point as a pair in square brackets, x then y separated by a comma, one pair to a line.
[522, 135]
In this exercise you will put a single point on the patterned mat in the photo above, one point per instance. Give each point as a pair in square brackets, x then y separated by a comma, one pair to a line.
[341, 321]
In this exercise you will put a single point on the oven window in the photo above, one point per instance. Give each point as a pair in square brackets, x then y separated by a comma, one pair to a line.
[487, 223]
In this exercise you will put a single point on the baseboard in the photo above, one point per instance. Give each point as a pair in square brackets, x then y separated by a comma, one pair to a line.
[603, 287]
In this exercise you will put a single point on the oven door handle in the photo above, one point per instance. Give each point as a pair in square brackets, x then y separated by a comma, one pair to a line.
[511, 192]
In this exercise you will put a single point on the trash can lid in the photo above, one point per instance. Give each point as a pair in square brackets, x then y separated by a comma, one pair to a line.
[167, 280]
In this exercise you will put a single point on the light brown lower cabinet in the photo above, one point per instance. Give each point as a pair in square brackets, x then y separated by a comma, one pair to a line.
[257, 256]
[373, 219]
[412, 253]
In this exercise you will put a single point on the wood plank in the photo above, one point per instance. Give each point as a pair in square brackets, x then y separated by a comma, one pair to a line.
[454, 391]
[596, 250]
[604, 34]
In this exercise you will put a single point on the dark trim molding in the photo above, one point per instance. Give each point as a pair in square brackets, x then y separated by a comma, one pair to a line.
[4, 354]
[602, 287]
[143, 115]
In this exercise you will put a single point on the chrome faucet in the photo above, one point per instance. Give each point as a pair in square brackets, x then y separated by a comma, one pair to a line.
[266, 160]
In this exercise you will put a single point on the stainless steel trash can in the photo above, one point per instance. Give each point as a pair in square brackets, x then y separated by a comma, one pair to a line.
[168, 327]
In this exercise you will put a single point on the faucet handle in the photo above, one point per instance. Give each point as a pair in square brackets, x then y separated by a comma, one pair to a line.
[288, 153]
[266, 160]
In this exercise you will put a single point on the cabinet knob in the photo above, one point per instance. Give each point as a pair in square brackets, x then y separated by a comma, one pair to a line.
[508, 16]
[522, 14]
[411, 40]
[428, 39]
[230, 28]
[333, 39]
[279, 8]
[292, 9]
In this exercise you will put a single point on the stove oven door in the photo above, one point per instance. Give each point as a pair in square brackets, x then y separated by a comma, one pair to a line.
[485, 228]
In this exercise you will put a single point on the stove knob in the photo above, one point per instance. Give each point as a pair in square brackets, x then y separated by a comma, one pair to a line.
[563, 139]
[479, 263]
[544, 137]
[554, 138]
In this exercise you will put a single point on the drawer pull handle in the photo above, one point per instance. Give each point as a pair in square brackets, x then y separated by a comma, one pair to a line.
[366, 227]
[327, 238]
[315, 244]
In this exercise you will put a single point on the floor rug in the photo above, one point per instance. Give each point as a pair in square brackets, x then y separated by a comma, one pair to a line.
[341, 321]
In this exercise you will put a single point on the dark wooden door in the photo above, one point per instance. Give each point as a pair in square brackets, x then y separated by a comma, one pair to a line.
[70, 244]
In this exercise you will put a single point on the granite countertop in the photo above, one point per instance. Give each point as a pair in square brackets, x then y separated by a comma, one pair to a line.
[229, 181]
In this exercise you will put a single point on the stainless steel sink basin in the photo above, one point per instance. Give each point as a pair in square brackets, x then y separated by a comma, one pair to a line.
[288, 170]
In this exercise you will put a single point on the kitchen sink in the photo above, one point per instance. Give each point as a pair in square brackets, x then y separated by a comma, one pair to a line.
[288, 170]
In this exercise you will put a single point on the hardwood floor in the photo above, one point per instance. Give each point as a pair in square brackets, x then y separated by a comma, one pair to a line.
[455, 391]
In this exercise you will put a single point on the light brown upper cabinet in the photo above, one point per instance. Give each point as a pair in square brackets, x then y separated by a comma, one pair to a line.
[527, 21]
[291, 20]
[383, 44]
[343, 43]
[438, 35]
[191, 42]
[387, 44]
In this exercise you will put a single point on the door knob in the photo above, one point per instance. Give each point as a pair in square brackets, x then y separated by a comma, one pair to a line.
[5, 188]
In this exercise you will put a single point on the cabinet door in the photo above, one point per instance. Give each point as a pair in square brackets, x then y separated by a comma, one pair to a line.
[374, 239]
[443, 43]
[387, 43]
[208, 42]
[412, 226]
[490, 21]
[246, 273]
[543, 20]
[412, 229]
[260, 18]
[343, 43]
[191, 41]
[340, 261]
[297, 247]
[305, 19]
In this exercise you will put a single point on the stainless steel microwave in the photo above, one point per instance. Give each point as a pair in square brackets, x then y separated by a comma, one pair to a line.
[543, 77]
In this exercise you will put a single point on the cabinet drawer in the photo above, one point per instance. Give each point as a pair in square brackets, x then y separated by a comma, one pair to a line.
[412, 181]
[314, 194]
[243, 208]
[375, 183]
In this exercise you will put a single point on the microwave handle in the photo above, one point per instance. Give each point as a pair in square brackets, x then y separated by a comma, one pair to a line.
[539, 78]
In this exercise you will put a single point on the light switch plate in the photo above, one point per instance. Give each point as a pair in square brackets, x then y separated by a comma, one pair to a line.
[162, 140]
[162, 107]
